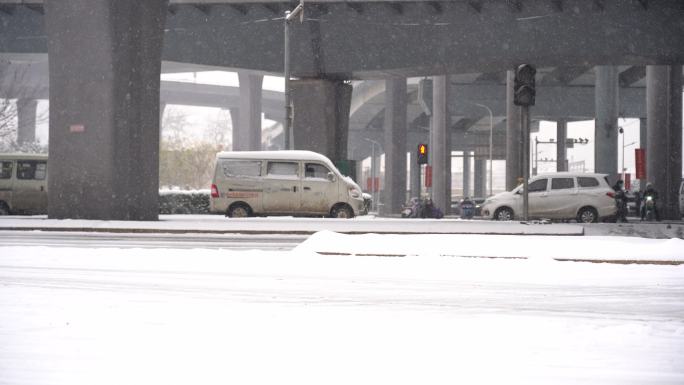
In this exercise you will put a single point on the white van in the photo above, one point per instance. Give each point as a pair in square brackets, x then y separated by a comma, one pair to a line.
[23, 184]
[248, 183]
[582, 196]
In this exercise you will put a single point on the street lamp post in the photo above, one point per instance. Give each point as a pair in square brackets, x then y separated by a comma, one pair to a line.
[491, 129]
[287, 130]
[622, 168]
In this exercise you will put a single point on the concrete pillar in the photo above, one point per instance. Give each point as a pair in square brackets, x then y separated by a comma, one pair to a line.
[561, 151]
[606, 126]
[480, 178]
[235, 123]
[105, 65]
[466, 173]
[514, 145]
[247, 137]
[440, 152]
[395, 145]
[26, 120]
[415, 169]
[664, 151]
[643, 143]
[321, 116]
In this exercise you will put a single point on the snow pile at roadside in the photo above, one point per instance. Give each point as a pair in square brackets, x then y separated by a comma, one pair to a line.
[501, 246]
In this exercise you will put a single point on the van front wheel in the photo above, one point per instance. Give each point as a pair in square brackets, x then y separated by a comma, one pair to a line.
[341, 211]
[239, 210]
[4, 210]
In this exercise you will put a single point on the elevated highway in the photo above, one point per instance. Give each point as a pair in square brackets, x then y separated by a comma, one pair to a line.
[107, 55]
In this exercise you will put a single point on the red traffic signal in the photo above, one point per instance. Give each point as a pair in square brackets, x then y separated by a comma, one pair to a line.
[422, 153]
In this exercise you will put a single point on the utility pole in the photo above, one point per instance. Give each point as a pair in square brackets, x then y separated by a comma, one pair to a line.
[523, 96]
[287, 131]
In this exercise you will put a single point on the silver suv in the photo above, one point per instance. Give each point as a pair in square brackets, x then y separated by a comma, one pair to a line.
[565, 195]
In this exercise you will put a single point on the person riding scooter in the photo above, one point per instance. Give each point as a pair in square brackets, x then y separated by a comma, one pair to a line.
[649, 204]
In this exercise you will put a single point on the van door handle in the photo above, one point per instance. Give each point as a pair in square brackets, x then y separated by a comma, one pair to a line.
[294, 188]
[42, 188]
[307, 188]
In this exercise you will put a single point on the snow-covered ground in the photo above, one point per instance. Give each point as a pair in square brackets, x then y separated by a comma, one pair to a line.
[169, 316]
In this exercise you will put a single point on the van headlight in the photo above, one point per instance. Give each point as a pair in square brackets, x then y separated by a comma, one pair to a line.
[354, 192]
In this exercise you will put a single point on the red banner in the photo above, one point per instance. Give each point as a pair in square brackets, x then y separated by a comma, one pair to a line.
[628, 181]
[374, 187]
[428, 176]
[640, 162]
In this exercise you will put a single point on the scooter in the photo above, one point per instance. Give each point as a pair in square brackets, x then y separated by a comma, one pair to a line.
[412, 209]
[649, 206]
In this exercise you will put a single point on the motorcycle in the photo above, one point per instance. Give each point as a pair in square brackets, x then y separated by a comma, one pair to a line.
[413, 209]
[649, 207]
[416, 208]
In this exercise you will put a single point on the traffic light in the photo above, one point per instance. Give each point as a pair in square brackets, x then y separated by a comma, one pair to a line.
[422, 153]
[523, 88]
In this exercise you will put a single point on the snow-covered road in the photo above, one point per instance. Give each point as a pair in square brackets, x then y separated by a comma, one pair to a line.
[132, 316]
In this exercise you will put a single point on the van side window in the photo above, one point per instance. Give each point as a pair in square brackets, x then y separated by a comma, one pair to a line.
[315, 170]
[562, 183]
[584, 181]
[538, 185]
[241, 168]
[282, 169]
[6, 170]
[30, 169]
[41, 170]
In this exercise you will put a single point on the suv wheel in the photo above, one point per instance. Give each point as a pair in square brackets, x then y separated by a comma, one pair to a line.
[503, 214]
[587, 215]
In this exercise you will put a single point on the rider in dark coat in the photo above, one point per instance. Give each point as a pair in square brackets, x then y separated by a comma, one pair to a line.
[650, 192]
[620, 201]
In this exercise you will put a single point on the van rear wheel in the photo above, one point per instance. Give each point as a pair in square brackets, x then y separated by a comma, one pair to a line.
[239, 210]
[342, 211]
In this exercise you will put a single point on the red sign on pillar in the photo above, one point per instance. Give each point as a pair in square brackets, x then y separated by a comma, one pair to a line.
[373, 184]
[628, 181]
[640, 160]
[428, 176]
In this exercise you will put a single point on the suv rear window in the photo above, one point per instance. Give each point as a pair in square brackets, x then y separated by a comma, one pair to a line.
[585, 181]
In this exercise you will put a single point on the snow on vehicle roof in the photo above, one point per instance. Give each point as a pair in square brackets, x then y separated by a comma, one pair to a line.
[19, 155]
[569, 173]
[279, 155]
